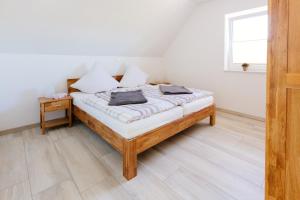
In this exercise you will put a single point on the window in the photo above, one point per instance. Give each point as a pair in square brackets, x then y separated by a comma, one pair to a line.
[246, 40]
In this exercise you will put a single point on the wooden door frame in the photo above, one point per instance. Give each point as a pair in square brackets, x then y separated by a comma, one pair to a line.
[276, 101]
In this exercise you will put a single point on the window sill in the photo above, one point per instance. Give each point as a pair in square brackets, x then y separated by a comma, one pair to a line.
[246, 72]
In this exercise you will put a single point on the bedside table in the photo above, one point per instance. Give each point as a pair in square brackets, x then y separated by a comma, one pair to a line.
[50, 105]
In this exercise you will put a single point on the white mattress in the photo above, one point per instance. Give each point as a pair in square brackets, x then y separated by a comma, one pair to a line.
[128, 130]
[197, 105]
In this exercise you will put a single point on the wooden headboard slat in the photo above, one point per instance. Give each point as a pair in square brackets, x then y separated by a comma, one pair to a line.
[74, 80]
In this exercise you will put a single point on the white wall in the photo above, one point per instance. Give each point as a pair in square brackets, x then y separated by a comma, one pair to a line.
[42, 43]
[24, 78]
[45, 42]
[196, 59]
[91, 27]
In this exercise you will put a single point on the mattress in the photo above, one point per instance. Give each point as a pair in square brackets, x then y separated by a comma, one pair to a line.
[127, 113]
[197, 105]
[128, 130]
[157, 102]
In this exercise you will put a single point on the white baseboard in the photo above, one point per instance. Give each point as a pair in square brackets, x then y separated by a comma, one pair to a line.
[18, 129]
[241, 114]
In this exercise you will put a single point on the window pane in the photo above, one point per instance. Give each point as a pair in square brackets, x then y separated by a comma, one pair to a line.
[250, 52]
[251, 28]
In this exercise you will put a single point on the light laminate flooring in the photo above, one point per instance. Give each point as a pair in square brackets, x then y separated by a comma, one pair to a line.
[203, 162]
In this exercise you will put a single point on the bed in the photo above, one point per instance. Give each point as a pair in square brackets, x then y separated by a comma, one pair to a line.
[131, 139]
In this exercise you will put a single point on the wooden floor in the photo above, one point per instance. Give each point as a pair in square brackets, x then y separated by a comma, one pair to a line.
[221, 162]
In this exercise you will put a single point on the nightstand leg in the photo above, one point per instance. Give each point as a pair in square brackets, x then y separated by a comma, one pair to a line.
[70, 115]
[42, 115]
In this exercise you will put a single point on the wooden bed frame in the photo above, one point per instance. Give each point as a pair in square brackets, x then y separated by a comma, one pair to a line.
[130, 148]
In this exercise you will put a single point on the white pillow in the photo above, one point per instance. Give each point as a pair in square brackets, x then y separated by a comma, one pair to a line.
[96, 80]
[133, 77]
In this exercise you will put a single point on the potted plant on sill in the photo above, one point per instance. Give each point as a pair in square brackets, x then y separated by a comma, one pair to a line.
[245, 66]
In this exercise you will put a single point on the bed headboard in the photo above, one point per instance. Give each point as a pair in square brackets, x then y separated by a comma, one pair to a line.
[74, 80]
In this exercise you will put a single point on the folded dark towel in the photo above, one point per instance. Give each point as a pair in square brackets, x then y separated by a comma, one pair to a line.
[126, 98]
[174, 89]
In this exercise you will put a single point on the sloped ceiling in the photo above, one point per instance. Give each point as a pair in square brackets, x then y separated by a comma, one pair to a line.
[91, 27]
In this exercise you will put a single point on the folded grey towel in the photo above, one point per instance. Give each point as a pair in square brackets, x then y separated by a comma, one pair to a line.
[126, 98]
[174, 89]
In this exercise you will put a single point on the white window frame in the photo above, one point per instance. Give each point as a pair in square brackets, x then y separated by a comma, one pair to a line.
[229, 19]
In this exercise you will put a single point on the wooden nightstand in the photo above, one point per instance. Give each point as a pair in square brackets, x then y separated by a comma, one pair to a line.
[49, 105]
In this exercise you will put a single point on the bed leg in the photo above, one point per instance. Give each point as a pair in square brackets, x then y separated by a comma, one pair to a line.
[212, 119]
[129, 159]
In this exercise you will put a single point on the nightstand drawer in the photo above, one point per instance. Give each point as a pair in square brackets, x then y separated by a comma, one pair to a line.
[58, 105]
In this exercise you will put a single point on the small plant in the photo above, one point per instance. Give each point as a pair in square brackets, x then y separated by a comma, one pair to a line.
[245, 66]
